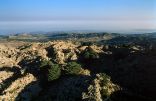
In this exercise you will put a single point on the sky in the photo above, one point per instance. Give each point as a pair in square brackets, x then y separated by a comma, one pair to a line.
[68, 15]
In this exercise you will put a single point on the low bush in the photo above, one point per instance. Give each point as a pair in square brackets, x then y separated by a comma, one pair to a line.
[54, 72]
[72, 68]
[50, 70]
[89, 54]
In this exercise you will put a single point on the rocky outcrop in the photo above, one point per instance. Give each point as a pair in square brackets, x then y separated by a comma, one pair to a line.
[7, 55]
[16, 87]
[100, 89]
[63, 51]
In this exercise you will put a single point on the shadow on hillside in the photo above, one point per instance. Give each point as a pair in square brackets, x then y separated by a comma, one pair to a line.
[66, 88]
[7, 82]
[136, 72]
[131, 69]
[25, 94]
[128, 96]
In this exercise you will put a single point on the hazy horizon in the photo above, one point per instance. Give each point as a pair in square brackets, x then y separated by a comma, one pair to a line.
[67, 15]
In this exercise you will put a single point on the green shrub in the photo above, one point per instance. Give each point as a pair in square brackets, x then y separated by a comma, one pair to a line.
[90, 54]
[44, 64]
[54, 72]
[89, 58]
[50, 70]
[72, 68]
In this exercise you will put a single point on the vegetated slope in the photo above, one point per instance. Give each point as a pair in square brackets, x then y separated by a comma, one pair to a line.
[71, 71]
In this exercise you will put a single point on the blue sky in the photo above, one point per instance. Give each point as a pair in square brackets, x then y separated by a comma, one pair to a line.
[59, 15]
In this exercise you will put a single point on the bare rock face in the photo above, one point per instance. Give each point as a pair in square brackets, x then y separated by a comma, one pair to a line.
[97, 49]
[5, 75]
[11, 93]
[93, 93]
[7, 55]
[64, 51]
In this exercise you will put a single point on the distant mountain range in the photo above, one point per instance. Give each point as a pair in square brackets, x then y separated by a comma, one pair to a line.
[101, 36]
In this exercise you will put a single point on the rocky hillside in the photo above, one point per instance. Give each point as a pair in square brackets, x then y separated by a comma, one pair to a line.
[72, 71]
